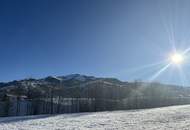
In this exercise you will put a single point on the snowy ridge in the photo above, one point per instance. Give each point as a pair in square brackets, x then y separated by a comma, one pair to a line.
[78, 77]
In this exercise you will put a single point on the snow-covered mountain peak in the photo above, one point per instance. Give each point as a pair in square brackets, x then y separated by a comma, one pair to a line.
[77, 77]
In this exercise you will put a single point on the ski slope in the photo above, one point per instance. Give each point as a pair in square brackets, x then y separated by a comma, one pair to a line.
[166, 118]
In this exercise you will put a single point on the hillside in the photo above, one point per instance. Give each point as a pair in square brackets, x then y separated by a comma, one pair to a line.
[80, 93]
[170, 118]
[76, 85]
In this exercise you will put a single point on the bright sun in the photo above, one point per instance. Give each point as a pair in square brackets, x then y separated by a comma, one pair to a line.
[177, 58]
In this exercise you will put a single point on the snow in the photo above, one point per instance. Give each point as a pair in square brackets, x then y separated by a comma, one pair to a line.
[166, 118]
[76, 77]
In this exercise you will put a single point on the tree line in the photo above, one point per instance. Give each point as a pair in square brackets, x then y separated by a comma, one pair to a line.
[99, 96]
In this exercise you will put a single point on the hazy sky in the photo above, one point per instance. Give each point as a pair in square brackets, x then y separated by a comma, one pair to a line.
[110, 38]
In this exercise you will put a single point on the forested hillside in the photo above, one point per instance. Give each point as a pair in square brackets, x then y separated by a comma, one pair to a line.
[79, 93]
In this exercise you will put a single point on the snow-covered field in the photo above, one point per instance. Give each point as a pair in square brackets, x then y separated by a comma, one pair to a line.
[166, 118]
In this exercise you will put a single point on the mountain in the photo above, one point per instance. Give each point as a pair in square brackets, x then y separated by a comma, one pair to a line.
[81, 93]
[68, 82]
[73, 80]
[77, 85]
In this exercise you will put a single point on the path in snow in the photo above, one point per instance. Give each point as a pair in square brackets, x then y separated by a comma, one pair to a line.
[166, 118]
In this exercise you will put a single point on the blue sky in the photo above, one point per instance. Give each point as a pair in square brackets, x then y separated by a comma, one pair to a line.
[109, 38]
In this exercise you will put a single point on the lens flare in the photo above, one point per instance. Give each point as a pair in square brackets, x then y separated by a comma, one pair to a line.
[177, 58]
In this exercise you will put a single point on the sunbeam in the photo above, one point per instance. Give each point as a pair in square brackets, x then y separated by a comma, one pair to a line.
[159, 72]
[142, 70]
[186, 51]
[148, 66]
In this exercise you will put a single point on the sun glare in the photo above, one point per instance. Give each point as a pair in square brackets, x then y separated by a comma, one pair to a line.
[177, 58]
